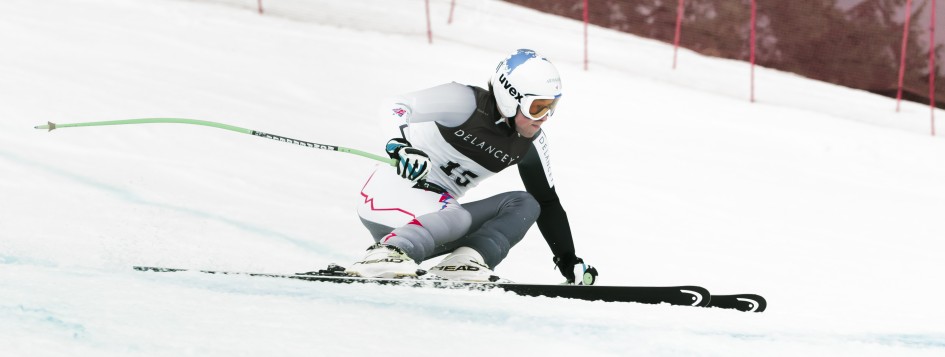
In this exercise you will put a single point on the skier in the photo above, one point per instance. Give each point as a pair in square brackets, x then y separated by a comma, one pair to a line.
[446, 140]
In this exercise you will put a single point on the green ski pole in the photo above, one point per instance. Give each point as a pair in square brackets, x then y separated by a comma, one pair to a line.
[50, 126]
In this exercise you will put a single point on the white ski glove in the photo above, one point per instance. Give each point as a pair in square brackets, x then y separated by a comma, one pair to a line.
[412, 163]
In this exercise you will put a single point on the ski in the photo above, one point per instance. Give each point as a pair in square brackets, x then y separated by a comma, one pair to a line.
[675, 295]
[740, 302]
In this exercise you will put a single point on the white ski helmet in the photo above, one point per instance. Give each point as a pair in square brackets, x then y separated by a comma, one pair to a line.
[522, 77]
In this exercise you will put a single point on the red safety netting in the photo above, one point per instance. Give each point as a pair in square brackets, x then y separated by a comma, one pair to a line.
[854, 43]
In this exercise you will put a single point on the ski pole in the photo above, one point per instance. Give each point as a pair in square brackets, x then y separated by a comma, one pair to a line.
[386, 160]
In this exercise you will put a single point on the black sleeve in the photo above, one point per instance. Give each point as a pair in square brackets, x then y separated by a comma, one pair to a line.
[553, 221]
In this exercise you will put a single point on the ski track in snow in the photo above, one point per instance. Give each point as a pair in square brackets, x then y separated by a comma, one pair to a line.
[132, 198]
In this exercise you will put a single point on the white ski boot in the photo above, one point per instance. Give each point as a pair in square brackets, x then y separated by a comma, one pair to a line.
[384, 261]
[465, 264]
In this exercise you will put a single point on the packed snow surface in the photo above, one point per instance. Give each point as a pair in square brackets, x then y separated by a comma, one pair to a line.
[821, 198]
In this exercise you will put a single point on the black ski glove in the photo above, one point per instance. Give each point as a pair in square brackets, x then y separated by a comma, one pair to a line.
[566, 267]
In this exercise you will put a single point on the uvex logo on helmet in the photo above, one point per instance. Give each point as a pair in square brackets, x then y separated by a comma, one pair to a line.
[508, 86]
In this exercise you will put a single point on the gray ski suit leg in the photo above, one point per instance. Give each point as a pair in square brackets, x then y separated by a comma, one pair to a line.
[491, 226]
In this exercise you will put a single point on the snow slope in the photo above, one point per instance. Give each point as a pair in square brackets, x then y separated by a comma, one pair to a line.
[822, 198]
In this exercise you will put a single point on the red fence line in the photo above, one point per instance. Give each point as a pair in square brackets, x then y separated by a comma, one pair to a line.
[680, 15]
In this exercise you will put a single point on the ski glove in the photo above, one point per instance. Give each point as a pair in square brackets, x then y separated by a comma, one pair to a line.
[412, 163]
[568, 265]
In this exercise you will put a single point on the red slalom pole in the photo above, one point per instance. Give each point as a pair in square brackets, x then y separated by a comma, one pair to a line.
[679, 16]
[932, 67]
[259, 5]
[452, 6]
[754, 9]
[902, 57]
[429, 29]
[585, 35]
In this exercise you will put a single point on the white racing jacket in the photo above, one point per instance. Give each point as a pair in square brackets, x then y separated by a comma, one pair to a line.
[467, 140]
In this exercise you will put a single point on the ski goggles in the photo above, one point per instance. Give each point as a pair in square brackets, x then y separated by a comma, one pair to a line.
[536, 107]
